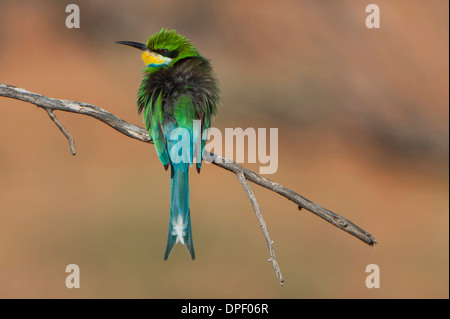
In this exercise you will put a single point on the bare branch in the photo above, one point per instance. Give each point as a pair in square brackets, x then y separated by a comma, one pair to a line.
[302, 202]
[262, 224]
[243, 174]
[63, 130]
[76, 107]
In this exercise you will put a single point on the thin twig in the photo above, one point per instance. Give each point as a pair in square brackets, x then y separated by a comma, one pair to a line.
[262, 224]
[63, 130]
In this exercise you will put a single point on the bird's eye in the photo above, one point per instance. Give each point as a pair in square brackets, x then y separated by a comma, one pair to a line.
[164, 51]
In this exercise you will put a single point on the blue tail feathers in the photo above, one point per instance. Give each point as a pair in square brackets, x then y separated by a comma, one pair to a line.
[180, 217]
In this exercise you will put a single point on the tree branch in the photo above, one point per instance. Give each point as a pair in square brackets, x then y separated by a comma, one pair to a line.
[45, 102]
[243, 174]
[302, 202]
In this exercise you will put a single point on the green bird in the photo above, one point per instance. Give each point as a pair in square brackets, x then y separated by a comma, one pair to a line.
[178, 97]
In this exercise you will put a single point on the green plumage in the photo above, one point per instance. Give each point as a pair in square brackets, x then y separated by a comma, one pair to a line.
[178, 88]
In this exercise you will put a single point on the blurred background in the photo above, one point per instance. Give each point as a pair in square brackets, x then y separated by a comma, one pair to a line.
[363, 130]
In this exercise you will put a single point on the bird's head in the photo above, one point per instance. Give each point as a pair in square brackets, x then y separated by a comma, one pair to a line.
[164, 49]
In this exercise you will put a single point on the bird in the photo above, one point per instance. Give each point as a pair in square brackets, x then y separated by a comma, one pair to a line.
[178, 98]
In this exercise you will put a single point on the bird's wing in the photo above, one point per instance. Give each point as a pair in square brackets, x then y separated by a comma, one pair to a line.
[153, 119]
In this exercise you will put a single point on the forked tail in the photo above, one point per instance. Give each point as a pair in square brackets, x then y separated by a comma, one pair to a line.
[180, 217]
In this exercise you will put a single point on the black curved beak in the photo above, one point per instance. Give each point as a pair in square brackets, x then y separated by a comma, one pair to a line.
[136, 45]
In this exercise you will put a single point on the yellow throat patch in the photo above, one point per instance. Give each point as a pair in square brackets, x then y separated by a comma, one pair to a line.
[154, 59]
